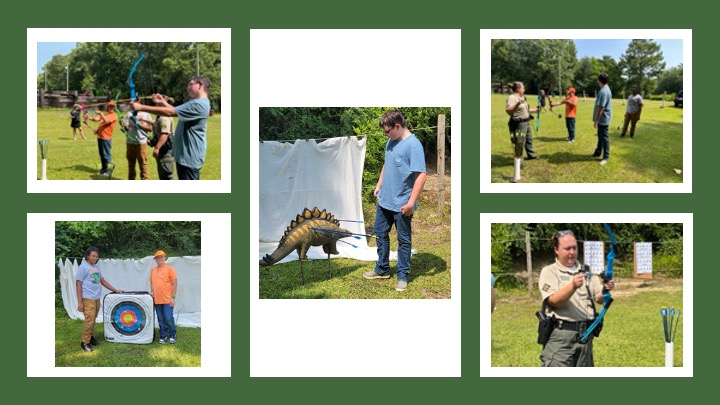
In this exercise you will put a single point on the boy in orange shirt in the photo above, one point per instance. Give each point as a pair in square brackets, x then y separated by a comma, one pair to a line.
[104, 136]
[570, 112]
[163, 286]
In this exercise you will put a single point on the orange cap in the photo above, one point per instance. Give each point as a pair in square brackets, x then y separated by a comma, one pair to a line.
[572, 90]
[160, 253]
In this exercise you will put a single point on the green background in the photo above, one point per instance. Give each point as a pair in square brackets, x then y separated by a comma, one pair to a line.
[241, 17]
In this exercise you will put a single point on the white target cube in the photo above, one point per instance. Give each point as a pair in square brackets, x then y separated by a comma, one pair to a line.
[129, 317]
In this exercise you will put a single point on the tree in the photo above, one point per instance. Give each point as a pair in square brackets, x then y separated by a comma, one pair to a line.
[670, 81]
[642, 63]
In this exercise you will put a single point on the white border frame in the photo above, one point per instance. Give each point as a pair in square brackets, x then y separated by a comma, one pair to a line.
[487, 186]
[215, 352]
[35, 35]
[486, 370]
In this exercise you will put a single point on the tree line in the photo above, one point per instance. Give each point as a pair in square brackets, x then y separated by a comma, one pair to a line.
[508, 241]
[103, 69]
[291, 123]
[540, 63]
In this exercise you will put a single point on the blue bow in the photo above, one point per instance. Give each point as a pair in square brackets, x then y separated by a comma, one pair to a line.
[607, 277]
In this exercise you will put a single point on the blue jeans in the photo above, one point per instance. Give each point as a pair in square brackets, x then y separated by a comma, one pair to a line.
[384, 220]
[165, 320]
[187, 173]
[104, 150]
[603, 144]
[570, 124]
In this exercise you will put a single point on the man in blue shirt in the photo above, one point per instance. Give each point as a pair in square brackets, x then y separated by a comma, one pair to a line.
[602, 115]
[401, 180]
[189, 141]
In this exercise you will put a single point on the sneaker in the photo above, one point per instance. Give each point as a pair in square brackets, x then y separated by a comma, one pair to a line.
[371, 275]
[93, 341]
[602, 162]
[171, 339]
[161, 341]
[401, 285]
[594, 155]
[86, 347]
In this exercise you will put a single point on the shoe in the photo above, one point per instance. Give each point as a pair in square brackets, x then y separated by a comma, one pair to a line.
[371, 275]
[593, 155]
[171, 339]
[93, 341]
[401, 285]
[632, 136]
[86, 347]
[623, 135]
[532, 157]
[516, 180]
[602, 162]
[161, 341]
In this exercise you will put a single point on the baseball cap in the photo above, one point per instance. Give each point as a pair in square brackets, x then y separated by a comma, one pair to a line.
[111, 102]
[159, 253]
[571, 90]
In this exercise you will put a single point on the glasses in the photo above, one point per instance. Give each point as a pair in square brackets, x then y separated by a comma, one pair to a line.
[388, 131]
[563, 233]
[191, 83]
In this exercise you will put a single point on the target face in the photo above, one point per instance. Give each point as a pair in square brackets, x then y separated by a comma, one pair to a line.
[128, 318]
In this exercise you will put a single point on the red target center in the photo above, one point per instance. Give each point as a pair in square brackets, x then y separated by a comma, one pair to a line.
[128, 318]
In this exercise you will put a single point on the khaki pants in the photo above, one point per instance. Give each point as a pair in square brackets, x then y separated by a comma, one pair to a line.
[137, 153]
[91, 310]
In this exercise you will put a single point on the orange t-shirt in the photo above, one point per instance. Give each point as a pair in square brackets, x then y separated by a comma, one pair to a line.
[571, 110]
[105, 130]
[161, 279]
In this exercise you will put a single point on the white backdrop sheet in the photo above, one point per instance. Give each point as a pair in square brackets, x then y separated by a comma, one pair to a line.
[134, 275]
[306, 174]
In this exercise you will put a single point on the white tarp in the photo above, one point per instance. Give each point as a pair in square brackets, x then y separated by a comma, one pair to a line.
[306, 174]
[134, 275]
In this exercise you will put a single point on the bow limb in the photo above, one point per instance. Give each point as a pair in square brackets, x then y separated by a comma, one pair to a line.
[133, 96]
[120, 118]
[85, 113]
[607, 277]
[537, 123]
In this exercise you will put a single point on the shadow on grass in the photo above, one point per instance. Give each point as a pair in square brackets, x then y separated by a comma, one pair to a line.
[335, 279]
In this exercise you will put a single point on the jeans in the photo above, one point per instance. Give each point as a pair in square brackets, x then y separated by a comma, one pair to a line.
[570, 124]
[187, 173]
[603, 144]
[165, 320]
[384, 220]
[104, 150]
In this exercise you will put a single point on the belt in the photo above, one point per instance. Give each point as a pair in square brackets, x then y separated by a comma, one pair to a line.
[521, 120]
[574, 326]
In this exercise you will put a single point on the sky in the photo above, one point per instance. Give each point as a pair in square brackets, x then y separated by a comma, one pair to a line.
[46, 50]
[671, 49]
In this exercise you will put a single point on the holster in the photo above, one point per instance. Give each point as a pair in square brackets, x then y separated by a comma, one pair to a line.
[546, 324]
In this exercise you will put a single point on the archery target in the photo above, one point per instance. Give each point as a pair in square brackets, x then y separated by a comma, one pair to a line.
[129, 318]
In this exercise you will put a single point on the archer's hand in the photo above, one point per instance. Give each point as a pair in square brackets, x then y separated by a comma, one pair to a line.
[578, 280]
[407, 209]
[609, 285]
[172, 302]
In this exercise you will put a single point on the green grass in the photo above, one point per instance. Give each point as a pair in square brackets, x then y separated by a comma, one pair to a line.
[342, 278]
[184, 353]
[79, 160]
[649, 158]
[632, 335]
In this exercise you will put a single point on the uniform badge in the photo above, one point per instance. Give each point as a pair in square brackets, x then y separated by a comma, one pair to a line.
[546, 287]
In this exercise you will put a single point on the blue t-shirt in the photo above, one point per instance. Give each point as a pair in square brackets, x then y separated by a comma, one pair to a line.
[90, 277]
[189, 142]
[604, 100]
[403, 159]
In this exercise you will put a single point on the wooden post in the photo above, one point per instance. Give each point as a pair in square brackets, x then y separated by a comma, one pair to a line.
[528, 255]
[441, 163]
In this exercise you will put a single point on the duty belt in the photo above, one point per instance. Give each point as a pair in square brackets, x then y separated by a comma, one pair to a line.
[574, 326]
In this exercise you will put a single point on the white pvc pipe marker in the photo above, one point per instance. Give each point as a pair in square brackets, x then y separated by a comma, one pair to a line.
[44, 170]
[669, 354]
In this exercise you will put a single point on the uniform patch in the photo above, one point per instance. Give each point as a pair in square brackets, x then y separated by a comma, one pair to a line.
[546, 287]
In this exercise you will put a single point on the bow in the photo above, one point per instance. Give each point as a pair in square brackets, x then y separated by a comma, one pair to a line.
[539, 103]
[120, 117]
[607, 298]
[129, 81]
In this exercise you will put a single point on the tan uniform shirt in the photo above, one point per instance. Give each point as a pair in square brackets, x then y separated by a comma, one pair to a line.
[522, 111]
[580, 306]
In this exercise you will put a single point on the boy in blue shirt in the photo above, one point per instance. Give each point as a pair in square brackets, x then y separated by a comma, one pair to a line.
[401, 180]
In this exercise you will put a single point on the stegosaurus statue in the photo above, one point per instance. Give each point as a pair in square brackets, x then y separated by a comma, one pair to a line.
[311, 228]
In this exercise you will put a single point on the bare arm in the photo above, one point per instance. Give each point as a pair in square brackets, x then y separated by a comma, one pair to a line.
[78, 289]
[408, 208]
[172, 294]
[562, 296]
[379, 183]
[108, 286]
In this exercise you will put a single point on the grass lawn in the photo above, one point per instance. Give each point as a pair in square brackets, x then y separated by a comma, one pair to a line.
[342, 278]
[184, 353]
[79, 160]
[650, 157]
[632, 335]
